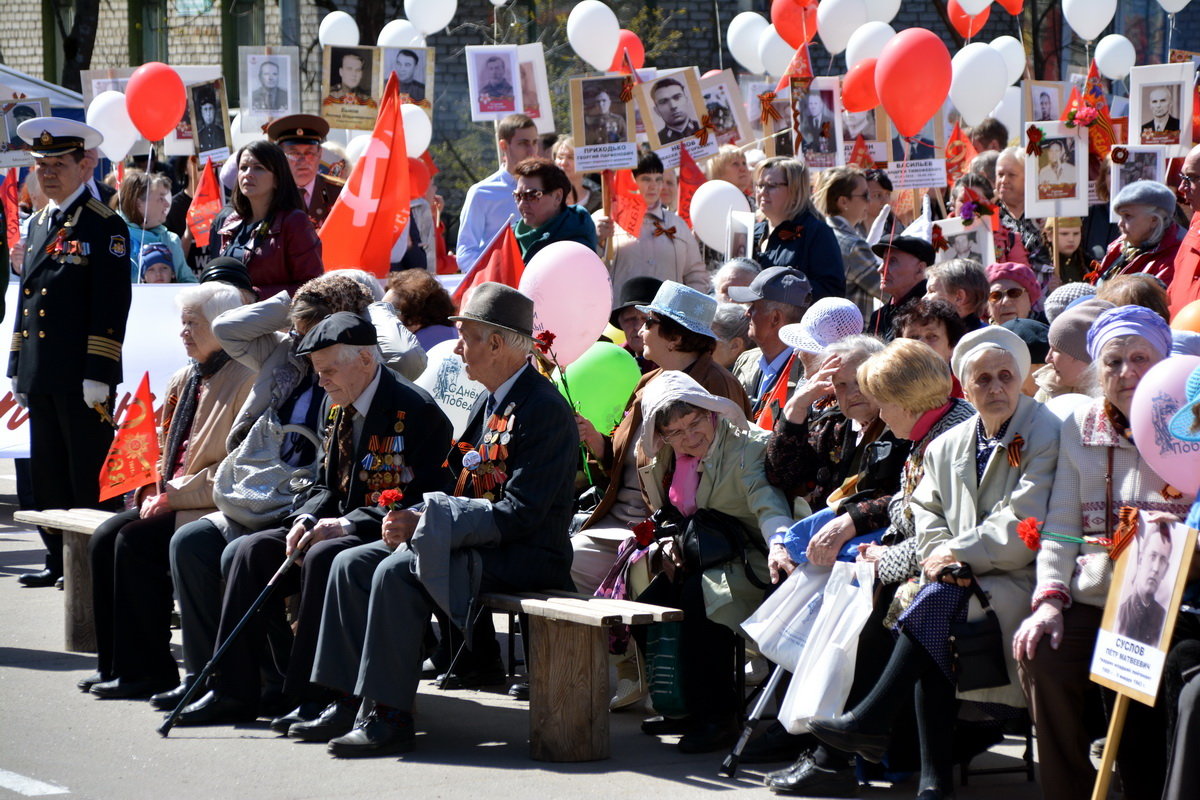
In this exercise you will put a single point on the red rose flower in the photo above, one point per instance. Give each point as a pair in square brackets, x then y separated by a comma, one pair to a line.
[544, 341]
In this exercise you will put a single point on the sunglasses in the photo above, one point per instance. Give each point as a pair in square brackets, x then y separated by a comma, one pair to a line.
[528, 194]
[1011, 294]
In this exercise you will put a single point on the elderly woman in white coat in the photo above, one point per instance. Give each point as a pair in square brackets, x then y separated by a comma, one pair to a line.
[982, 478]
[700, 453]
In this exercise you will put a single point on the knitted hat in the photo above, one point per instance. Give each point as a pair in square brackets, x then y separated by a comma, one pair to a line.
[1146, 193]
[829, 320]
[1069, 330]
[1017, 273]
[1065, 295]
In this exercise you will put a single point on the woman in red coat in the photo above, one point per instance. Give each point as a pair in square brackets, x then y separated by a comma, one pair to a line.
[1149, 239]
[269, 230]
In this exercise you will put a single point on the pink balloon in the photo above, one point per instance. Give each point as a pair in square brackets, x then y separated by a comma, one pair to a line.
[572, 297]
[1159, 395]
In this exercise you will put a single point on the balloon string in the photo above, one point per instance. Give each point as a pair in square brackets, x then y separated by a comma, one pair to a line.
[1170, 32]
[720, 46]
[145, 209]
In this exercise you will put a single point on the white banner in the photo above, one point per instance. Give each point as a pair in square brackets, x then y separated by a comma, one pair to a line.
[151, 343]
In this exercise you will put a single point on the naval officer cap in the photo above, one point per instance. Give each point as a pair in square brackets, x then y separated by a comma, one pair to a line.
[342, 327]
[54, 136]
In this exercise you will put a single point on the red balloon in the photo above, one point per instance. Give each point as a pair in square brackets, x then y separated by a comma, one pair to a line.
[155, 99]
[858, 87]
[418, 178]
[1013, 7]
[795, 20]
[966, 25]
[628, 40]
[912, 78]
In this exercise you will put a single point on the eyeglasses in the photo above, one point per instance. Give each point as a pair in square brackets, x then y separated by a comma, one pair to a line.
[650, 322]
[766, 186]
[298, 155]
[670, 437]
[1189, 180]
[528, 194]
[1011, 294]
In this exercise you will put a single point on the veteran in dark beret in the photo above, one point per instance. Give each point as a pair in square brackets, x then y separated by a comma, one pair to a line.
[503, 529]
[381, 433]
[65, 358]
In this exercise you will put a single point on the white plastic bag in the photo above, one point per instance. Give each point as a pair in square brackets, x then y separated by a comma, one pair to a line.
[781, 625]
[821, 680]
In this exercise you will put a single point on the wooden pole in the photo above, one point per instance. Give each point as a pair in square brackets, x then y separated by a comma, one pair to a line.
[1111, 744]
[1054, 248]
[606, 202]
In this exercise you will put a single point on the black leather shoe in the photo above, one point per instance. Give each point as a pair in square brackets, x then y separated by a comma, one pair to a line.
[305, 712]
[336, 719]
[843, 733]
[806, 778]
[374, 737]
[492, 674]
[166, 701]
[126, 689]
[217, 709]
[666, 726]
[519, 691]
[86, 684]
[774, 745]
[39, 580]
[709, 736]
[60, 584]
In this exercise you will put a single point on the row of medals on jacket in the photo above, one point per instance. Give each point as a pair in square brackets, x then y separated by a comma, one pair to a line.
[383, 466]
[486, 463]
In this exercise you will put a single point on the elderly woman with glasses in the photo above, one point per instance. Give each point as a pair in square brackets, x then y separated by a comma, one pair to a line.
[792, 233]
[1013, 290]
[1149, 238]
[1099, 472]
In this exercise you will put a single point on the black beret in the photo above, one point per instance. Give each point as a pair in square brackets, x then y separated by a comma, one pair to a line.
[342, 327]
[227, 270]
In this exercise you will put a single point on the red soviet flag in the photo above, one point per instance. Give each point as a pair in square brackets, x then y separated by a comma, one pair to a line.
[132, 460]
[799, 67]
[205, 206]
[690, 179]
[860, 154]
[500, 262]
[959, 153]
[628, 206]
[12, 212]
[373, 208]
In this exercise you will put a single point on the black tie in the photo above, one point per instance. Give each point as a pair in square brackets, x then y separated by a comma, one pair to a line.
[344, 441]
[489, 408]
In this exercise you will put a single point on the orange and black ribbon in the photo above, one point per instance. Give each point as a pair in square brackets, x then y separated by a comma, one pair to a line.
[627, 89]
[1127, 525]
[788, 231]
[1014, 451]
[939, 241]
[1035, 135]
[706, 127]
[659, 230]
[767, 110]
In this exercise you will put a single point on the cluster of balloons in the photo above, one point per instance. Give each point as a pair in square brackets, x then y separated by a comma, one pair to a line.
[425, 18]
[153, 104]
[598, 38]
[767, 47]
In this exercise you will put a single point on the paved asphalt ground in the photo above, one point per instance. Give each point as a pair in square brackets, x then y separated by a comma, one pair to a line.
[58, 742]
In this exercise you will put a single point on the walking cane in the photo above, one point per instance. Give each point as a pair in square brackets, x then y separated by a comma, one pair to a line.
[169, 723]
[730, 765]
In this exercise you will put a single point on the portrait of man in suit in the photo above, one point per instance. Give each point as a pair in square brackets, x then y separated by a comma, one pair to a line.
[674, 108]
[269, 96]
[1163, 126]
[407, 66]
[1141, 614]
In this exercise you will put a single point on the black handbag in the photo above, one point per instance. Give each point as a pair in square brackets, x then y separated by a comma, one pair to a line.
[712, 539]
[978, 648]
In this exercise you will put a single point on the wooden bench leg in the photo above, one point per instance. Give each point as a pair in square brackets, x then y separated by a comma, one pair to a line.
[568, 691]
[77, 590]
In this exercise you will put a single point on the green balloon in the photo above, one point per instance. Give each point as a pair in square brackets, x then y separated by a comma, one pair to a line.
[599, 383]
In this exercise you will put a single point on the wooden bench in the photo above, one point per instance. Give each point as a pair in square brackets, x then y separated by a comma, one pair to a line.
[568, 667]
[75, 525]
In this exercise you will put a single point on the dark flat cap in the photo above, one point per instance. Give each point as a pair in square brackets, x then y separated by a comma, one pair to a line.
[637, 291]
[298, 128]
[918, 248]
[342, 327]
[499, 305]
[227, 270]
[1035, 335]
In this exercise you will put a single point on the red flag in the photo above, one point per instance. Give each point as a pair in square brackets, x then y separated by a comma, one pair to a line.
[959, 153]
[628, 207]
[860, 155]
[799, 67]
[373, 207]
[205, 206]
[12, 213]
[772, 407]
[1101, 134]
[1074, 103]
[132, 460]
[500, 262]
[427, 157]
[690, 179]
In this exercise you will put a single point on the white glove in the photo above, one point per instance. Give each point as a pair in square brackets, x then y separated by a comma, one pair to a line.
[876, 232]
[94, 392]
[22, 399]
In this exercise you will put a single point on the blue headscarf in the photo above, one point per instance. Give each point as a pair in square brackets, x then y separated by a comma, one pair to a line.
[1125, 321]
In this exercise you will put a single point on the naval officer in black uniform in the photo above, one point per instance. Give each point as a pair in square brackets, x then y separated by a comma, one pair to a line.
[65, 358]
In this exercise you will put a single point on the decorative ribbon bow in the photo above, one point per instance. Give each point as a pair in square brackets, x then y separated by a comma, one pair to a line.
[1035, 135]
[767, 110]
[659, 230]
[1119, 155]
[706, 127]
[627, 89]
[1127, 524]
[788, 231]
[1094, 275]
[1014, 451]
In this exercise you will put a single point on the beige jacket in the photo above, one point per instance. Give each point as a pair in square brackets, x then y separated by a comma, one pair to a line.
[664, 257]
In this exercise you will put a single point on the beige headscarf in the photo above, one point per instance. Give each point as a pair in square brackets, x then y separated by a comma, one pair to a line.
[674, 385]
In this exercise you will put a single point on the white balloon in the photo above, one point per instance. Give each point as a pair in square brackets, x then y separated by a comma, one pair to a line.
[711, 206]
[973, 8]
[399, 33]
[882, 10]
[228, 174]
[499, 3]
[356, 147]
[980, 78]
[868, 41]
[774, 53]
[108, 114]
[1088, 18]
[338, 28]
[742, 38]
[242, 138]
[417, 129]
[1173, 6]
[1014, 56]
[593, 31]
[837, 20]
[1115, 56]
[445, 378]
[430, 16]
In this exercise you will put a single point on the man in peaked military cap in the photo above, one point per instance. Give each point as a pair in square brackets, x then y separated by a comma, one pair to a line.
[71, 310]
[300, 136]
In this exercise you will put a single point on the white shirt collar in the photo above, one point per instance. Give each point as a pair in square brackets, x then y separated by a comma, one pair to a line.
[362, 403]
[309, 189]
[503, 390]
[71, 198]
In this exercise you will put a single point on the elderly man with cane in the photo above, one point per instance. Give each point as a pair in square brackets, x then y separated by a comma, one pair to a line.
[505, 529]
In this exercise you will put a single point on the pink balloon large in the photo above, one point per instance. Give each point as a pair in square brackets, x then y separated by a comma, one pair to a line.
[572, 297]
[1159, 395]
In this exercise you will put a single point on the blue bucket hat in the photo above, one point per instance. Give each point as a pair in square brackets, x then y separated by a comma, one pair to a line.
[1183, 423]
[683, 304]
